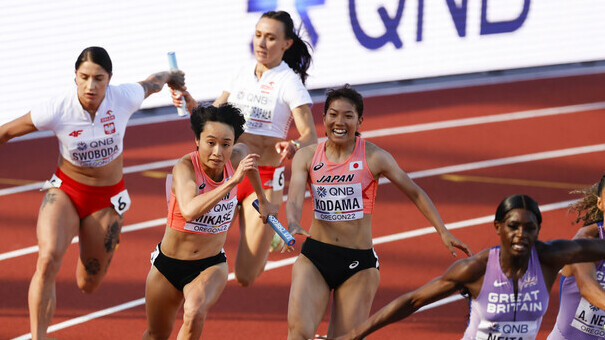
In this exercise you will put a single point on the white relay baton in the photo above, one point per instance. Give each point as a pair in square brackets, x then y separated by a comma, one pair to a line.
[181, 111]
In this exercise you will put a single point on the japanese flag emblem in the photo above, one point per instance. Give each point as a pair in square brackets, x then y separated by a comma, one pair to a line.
[355, 165]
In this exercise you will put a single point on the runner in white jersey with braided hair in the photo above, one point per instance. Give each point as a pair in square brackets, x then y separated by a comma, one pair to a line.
[271, 94]
[86, 196]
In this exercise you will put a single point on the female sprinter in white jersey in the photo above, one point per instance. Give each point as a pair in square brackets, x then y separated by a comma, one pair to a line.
[86, 196]
[508, 284]
[342, 174]
[271, 93]
[189, 264]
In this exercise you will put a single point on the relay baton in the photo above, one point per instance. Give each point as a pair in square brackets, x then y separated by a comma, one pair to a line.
[181, 111]
[279, 229]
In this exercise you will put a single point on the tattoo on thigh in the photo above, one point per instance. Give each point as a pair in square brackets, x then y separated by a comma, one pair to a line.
[112, 236]
[92, 266]
[49, 198]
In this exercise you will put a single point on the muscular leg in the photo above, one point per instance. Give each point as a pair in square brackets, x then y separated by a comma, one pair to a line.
[99, 236]
[309, 296]
[353, 301]
[162, 302]
[58, 223]
[201, 294]
[255, 240]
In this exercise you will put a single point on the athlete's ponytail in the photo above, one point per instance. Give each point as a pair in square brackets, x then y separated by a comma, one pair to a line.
[297, 56]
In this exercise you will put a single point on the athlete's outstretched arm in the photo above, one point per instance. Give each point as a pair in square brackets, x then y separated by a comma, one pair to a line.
[15, 128]
[154, 83]
[296, 189]
[382, 163]
[455, 278]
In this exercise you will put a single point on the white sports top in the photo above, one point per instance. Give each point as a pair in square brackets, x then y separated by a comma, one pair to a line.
[267, 103]
[84, 142]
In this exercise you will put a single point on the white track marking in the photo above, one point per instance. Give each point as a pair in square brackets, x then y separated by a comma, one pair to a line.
[288, 261]
[383, 133]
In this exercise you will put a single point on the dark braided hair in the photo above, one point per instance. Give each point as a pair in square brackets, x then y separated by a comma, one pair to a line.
[297, 56]
[586, 209]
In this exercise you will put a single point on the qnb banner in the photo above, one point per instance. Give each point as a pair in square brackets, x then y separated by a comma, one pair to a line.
[354, 41]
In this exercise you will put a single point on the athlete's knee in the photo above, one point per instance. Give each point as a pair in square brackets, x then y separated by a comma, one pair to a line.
[296, 333]
[245, 279]
[247, 274]
[88, 284]
[48, 263]
[194, 313]
[156, 334]
[91, 273]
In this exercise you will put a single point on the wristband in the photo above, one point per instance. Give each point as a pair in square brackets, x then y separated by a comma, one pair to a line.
[296, 144]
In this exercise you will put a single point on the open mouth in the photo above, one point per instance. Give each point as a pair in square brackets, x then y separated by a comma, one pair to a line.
[339, 132]
[519, 247]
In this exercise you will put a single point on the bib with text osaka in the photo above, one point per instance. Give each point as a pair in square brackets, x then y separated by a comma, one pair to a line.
[509, 330]
[215, 221]
[338, 202]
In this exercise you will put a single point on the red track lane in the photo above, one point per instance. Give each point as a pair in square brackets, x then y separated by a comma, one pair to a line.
[259, 312]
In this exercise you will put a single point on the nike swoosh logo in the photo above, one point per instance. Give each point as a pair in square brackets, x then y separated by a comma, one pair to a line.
[354, 265]
[500, 284]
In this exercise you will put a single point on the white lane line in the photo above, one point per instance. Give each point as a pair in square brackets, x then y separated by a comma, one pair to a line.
[290, 260]
[504, 117]
[414, 175]
[383, 133]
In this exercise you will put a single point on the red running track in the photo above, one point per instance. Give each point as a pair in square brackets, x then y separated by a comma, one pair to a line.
[259, 312]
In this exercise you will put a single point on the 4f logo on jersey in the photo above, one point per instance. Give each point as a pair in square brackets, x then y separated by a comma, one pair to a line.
[318, 166]
[76, 133]
[109, 128]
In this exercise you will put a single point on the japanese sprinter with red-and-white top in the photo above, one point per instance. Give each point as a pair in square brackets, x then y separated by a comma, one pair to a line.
[270, 92]
[342, 174]
[189, 266]
[86, 196]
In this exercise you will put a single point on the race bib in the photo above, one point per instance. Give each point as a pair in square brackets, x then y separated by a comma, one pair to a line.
[217, 220]
[53, 182]
[95, 152]
[589, 319]
[495, 330]
[257, 108]
[121, 202]
[338, 202]
[278, 179]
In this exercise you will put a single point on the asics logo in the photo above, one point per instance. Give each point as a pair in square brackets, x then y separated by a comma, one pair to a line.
[354, 265]
[500, 283]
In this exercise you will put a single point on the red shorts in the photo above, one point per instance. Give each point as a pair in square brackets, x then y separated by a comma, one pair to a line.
[88, 199]
[268, 176]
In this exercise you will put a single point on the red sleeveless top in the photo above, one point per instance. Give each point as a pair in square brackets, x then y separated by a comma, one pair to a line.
[342, 191]
[218, 219]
